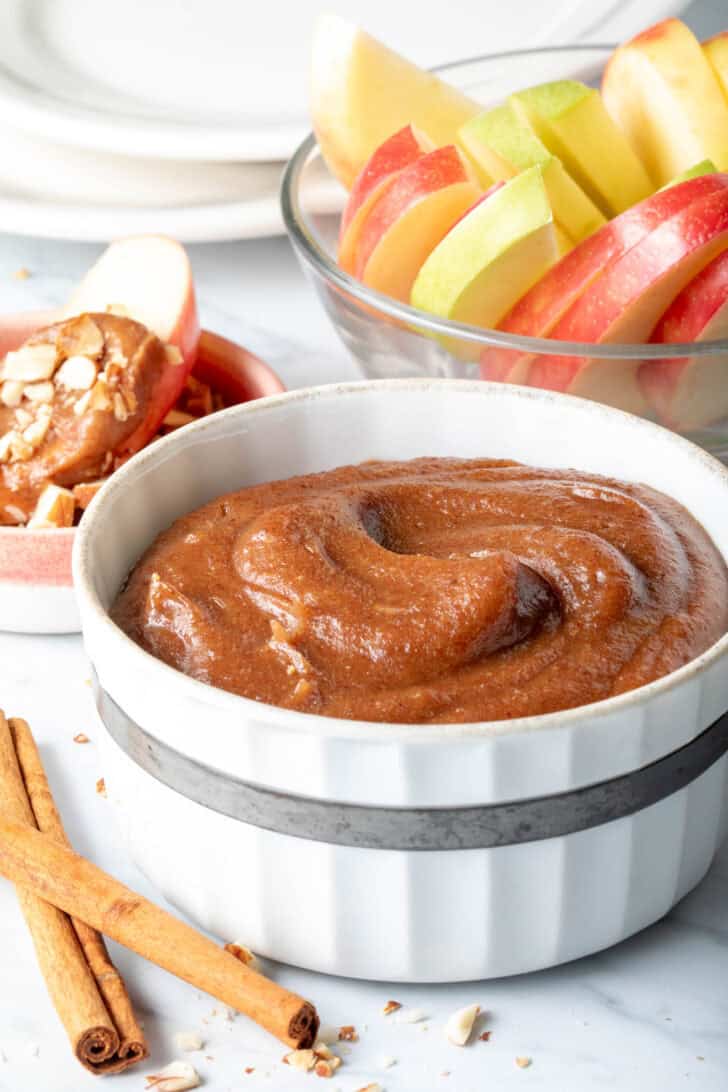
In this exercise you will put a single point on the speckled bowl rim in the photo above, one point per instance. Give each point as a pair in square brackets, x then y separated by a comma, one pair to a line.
[339, 728]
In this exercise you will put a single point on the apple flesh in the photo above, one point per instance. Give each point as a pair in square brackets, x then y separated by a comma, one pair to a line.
[362, 92]
[539, 310]
[149, 278]
[571, 120]
[716, 50]
[692, 392]
[491, 256]
[500, 145]
[398, 152]
[410, 218]
[662, 90]
[626, 301]
[706, 166]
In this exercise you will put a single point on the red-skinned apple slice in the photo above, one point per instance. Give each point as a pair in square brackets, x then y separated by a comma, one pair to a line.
[410, 218]
[625, 303]
[537, 313]
[149, 278]
[398, 152]
[692, 392]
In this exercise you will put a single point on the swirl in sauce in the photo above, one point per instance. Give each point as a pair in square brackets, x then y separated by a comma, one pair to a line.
[430, 590]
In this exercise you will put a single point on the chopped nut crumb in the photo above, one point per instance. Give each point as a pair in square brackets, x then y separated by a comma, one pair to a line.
[410, 1016]
[39, 392]
[55, 508]
[347, 1034]
[188, 1041]
[175, 1077]
[485, 1036]
[77, 373]
[30, 363]
[391, 1006]
[370, 1088]
[300, 1059]
[11, 393]
[244, 954]
[523, 1062]
[81, 738]
[101, 787]
[21, 274]
[323, 1069]
[249, 1069]
[460, 1024]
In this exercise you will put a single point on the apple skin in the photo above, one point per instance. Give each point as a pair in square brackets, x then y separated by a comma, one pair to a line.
[626, 302]
[537, 313]
[398, 152]
[362, 92]
[692, 392]
[410, 218]
[571, 120]
[150, 278]
[502, 245]
[662, 90]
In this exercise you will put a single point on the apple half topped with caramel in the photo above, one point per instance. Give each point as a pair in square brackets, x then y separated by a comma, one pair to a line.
[565, 212]
[84, 388]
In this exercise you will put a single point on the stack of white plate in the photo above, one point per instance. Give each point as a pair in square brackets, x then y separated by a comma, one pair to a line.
[176, 116]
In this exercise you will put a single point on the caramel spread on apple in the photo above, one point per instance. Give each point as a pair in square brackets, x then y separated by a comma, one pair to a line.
[431, 590]
[75, 400]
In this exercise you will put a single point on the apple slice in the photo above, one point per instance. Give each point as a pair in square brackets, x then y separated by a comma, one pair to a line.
[147, 278]
[626, 301]
[692, 392]
[661, 89]
[491, 256]
[716, 50]
[537, 313]
[705, 166]
[571, 120]
[362, 92]
[500, 145]
[410, 218]
[401, 149]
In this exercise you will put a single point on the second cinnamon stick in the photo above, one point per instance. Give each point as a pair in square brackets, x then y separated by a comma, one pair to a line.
[58, 875]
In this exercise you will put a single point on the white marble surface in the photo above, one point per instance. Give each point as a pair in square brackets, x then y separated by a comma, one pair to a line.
[648, 1016]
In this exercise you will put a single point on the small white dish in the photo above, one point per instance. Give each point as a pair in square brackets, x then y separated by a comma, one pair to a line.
[186, 759]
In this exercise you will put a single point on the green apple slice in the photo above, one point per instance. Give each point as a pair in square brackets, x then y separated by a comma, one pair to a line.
[571, 120]
[501, 145]
[494, 254]
[705, 166]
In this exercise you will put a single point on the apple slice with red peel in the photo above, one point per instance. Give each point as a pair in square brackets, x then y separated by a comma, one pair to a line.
[625, 303]
[410, 218]
[147, 278]
[692, 392]
[398, 152]
[537, 313]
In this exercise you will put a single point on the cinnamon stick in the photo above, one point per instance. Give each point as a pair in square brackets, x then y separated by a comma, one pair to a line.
[72, 987]
[58, 875]
[132, 1044]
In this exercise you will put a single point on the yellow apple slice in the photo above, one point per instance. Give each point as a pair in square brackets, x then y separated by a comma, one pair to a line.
[494, 254]
[410, 218]
[501, 145]
[661, 89]
[716, 50]
[571, 120]
[362, 92]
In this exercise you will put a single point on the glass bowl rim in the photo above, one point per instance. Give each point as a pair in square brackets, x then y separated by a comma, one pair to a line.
[306, 244]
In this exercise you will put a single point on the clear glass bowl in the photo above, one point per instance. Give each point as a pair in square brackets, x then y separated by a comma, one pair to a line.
[392, 339]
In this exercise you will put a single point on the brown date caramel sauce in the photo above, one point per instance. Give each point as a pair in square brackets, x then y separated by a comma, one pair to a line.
[431, 590]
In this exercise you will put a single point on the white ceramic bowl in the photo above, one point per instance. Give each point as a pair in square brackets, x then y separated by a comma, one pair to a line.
[398, 852]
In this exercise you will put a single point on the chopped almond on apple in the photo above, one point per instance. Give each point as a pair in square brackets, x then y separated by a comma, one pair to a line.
[55, 508]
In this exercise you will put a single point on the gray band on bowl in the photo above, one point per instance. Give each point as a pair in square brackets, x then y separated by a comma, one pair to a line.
[367, 827]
